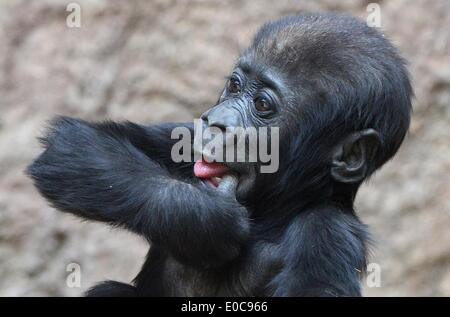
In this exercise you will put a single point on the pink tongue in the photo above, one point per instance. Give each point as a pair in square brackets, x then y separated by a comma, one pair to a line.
[203, 169]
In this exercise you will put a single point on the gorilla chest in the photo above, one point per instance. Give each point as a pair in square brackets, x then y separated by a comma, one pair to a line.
[246, 276]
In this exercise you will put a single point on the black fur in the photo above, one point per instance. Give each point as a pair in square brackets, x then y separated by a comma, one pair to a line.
[295, 233]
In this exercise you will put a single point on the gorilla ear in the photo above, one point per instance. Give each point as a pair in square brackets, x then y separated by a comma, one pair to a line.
[353, 158]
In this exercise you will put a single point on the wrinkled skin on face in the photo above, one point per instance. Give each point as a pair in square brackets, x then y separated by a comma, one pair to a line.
[253, 97]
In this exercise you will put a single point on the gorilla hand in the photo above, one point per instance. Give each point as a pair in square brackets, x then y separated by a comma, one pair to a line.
[98, 172]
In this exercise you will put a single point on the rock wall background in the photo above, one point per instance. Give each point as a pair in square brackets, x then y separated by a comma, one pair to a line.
[161, 60]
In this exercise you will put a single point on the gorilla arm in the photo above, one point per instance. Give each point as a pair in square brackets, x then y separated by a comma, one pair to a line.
[123, 174]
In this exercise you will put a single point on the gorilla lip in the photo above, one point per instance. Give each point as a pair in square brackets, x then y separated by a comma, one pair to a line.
[211, 172]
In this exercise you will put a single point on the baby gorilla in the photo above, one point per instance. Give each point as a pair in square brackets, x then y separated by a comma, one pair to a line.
[341, 97]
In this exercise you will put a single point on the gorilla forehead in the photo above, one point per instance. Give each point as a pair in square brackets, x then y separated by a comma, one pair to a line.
[310, 43]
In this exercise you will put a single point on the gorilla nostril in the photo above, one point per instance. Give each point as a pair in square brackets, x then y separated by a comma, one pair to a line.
[217, 124]
[204, 116]
[204, 121]
[222, 116]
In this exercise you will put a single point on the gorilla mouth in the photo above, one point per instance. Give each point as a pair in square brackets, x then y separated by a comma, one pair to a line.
[212, 173]
[232, 179]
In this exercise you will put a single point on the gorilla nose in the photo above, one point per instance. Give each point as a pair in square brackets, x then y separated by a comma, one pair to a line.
[222, 117]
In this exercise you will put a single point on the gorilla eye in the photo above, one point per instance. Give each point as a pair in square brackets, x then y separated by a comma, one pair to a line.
[234, 86]
[262, 105]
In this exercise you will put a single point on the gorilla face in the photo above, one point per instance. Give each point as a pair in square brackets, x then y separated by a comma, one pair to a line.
[254, 96]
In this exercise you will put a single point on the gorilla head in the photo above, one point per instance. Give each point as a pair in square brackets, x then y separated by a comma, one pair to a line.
[338, 92]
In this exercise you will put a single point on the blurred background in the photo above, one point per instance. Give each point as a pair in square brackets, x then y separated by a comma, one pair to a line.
[159, 60]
